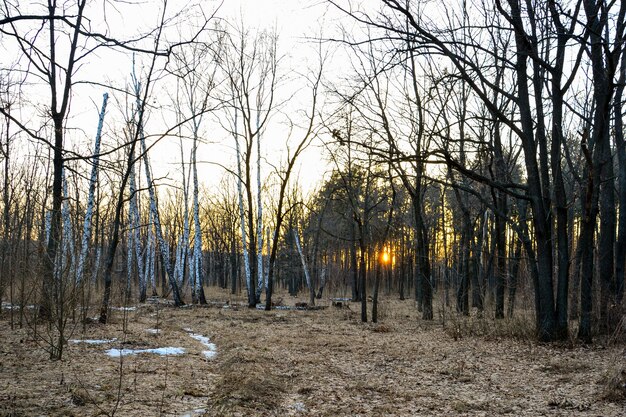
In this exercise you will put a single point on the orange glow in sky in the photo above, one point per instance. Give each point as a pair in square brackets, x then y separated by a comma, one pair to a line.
[385, 257]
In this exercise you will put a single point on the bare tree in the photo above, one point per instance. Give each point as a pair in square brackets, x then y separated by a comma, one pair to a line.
[536, 115]
[195, 69]
[284, 173]
[250, 64]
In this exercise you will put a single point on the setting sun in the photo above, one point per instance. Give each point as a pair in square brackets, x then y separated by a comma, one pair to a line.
[385, 257]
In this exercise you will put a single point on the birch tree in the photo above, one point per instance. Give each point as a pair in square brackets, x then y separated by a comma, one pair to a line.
[305, 268]
[285, 172]
[242, 217]
[196, 69]
[52, 42]
[154, 210]
[134, 241]
[250, 66]
[136, 137]
[140, 93]
[93, 179]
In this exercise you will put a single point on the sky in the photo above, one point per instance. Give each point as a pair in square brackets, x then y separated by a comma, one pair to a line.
[296, 23]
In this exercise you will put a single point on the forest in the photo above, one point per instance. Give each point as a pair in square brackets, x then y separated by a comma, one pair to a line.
[400, 180]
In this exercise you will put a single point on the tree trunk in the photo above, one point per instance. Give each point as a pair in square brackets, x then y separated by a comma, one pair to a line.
[620, 246]
[305, 269]
[165, 254]
[242, 220]
[379, 272]
[356, 296]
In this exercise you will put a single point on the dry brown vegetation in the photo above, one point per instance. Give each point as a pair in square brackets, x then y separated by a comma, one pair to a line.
[317, 363]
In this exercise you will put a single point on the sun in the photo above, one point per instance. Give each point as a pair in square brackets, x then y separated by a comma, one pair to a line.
[385, 257]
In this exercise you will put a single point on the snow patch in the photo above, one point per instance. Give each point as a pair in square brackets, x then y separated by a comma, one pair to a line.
[285, 308]
[124, 308]
[299, 407]
[166, 351]
[193, 413]
[209, 354]
[93, 341]
[9, 306]
[202, 339]
[153, 331]
[211, 347]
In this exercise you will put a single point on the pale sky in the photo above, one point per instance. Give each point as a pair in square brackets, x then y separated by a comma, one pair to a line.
[294, 21]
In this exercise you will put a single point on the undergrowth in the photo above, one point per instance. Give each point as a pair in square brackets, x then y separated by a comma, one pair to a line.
[245, 384]
[520, 327]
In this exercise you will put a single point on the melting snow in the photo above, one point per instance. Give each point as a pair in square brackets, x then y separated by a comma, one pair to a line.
[300, 407]
[116, 353]
[196, 412]
[262, 307]
[209, 354]
[211, 347]
[93, 341]
[124, 308]
[9, 306]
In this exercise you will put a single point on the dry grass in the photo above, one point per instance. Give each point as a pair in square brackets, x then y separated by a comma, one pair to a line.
[308, 363]
[613, 383]
[520, 327]
[244, 383]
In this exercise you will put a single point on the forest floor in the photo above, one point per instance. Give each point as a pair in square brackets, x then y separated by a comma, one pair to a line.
[306, 363]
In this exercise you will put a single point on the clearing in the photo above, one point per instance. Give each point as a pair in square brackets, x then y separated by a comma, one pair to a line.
[224, 359]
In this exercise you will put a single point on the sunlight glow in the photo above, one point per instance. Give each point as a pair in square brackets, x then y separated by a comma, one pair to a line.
[385, 257]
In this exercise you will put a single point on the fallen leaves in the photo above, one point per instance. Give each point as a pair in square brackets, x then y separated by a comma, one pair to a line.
[305, 363]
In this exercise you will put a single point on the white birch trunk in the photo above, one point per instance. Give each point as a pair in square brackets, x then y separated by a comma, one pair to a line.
[134, 241]
[192, 275]
[184, 240]
[197, 240]
[130, 238]
[48, 225]
[91, 197]
[154, 211]
[129, 255]
[323, 277]
[157, 224]
[96, 264]
[246, 260]
[153, 206]
[259, 223]
[67, 243]
[179, 262]
[306, 270]
[150, 255]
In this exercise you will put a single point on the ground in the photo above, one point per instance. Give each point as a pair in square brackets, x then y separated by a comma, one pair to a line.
[306, 363]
